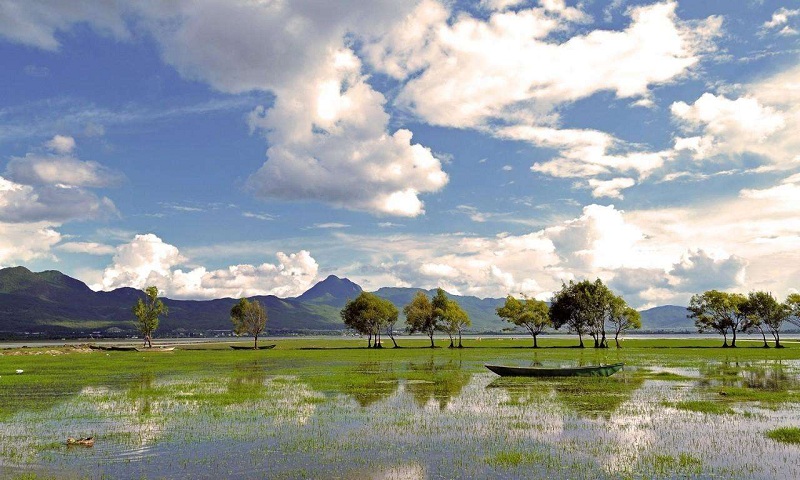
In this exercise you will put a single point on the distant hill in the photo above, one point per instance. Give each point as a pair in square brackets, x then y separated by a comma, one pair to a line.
[54, 304]
[333, 291]
[667, 318]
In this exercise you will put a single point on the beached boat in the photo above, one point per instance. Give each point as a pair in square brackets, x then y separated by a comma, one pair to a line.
[243, 347]
[155, 349]
[113, 348]
[590, 371]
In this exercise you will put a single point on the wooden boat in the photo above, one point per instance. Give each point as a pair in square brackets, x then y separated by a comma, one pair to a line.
[261, 347]
[83, 442]
[155, 349]
[114, 348]
[591, 371]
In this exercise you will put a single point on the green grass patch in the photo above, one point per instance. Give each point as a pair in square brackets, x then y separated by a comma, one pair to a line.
[514, 458]
[785, 435]
[704, 406]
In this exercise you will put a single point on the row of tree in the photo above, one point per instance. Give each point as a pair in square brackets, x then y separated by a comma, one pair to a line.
[584, 308]
[732, 313]
[369, 315]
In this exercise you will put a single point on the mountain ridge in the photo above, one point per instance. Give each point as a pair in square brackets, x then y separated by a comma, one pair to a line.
[55, 304]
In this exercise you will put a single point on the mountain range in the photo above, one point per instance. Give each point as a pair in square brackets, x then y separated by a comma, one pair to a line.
[51, 304]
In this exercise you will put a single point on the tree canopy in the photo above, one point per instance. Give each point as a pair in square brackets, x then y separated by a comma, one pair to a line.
[421, 316]
[368, 314]
[147, 311]
[583, 307]
[249, 318]
[719, 311]
[452, 318]
[529, 313]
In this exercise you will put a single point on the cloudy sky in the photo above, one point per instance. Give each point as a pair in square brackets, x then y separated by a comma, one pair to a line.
[238, 147]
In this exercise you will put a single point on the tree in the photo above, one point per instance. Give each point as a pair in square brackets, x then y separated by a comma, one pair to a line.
[147, 311]
[532, 314]
[719, 311]
[792, 306]
[623, 318]
[250, 318]
[421, 316]
[764, 312]
[453, 321]
[583, 307]
[368, 314]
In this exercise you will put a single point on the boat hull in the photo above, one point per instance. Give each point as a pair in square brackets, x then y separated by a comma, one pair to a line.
[592, 371]
[261, 347]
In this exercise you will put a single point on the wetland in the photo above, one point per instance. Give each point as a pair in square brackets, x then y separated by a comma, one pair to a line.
[329, 408]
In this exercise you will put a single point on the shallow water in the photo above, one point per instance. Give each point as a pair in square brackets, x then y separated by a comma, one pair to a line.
[424, 416]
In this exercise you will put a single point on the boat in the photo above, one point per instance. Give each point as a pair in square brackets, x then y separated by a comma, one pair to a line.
[242, 347]
[84, 442]
[113, 348]
[590, 371]
[155, 349]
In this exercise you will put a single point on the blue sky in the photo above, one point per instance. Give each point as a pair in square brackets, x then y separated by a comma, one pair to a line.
[229, 148]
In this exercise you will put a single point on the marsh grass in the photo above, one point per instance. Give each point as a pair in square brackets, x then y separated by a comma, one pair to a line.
[331, 408]
[789, 435]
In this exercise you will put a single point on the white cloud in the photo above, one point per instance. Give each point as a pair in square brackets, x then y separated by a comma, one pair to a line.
[329, 142]
[36, 23]
[148, 260]
[89, 248]
[726, 126]
[610, 188]
[61, 144]
[699, 271]
[780, 18]
[472, 71]
[327, 225]
[23, 242]
[35, 169]
[53, 203]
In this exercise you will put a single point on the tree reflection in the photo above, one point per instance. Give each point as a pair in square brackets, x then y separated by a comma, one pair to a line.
[438, 381]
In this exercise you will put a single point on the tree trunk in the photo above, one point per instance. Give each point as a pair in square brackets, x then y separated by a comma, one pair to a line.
[724, 339]
[391, 335]
[733, 342]
[255, 342]
[764, 336]
[580, 339]
[451, 340]
[369, 340]
[616, 339]
[603, 342]
[459, 340]
[430, 335]
[535, 344]
[777, 339]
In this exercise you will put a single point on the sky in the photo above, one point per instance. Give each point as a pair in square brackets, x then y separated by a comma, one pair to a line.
[228, 148]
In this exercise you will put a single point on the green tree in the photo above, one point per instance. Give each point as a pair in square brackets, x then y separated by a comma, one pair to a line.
[368, 314]
[721, 312]
[792, 306]
[250, 318]
[764, 312]
[147, 311]
[583, 307]
[529, 313]
[623, 318]
[421, 316]
[453, 321]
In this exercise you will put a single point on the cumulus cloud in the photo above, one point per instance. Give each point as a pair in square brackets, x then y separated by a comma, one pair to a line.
[35, 169]
[23, 242]
[780, 18]
[51, 187]
[54, 203]
[699, 271]
[61, 144]
[329, 142]
[148, 260]
[464, 72]
[610, 188]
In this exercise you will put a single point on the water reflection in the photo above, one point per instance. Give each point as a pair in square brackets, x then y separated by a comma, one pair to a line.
[436, 381]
